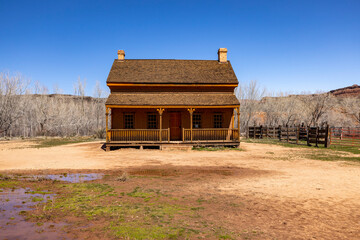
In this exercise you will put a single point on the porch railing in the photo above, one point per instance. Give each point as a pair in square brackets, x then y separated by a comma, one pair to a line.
[138, 135]
[210, 134]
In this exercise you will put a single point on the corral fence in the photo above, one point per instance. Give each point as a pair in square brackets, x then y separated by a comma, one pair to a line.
[325, 135]
[345, 136]
[292, 134]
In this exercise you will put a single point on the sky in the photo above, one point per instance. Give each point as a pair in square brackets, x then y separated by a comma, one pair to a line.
[285, 45]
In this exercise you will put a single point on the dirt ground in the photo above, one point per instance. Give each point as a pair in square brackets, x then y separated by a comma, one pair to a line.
[285, 195]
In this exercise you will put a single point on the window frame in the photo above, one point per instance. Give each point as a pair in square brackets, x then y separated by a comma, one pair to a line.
[148, 120]
[199, 121]
[125, 120]
[216, 122]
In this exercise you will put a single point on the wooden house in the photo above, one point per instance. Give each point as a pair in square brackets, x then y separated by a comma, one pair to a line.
[165, 101]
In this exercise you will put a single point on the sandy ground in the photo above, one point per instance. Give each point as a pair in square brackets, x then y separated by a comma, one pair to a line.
[316, 199]
[293, 177]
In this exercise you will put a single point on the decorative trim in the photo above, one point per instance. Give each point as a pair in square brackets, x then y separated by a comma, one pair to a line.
[170, 106]
[169, 85]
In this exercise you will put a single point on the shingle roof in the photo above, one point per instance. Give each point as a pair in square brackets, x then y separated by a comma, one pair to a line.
[172, 99]
[171, 71]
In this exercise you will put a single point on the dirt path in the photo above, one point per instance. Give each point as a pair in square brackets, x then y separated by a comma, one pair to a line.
[291, 176]
[310, 198]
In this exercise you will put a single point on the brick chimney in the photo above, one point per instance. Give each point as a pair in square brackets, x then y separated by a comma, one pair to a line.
[121, 55]
[222, 55]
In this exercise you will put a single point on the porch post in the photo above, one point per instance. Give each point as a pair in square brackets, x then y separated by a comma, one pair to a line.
[160, 110]
[191, 111]
[107, 122]
[238, 116]
[233, 119]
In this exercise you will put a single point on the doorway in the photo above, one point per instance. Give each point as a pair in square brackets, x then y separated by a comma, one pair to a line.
[175, 126]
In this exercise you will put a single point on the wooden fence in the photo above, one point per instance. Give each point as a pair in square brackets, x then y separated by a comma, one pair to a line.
[345, 136]
[291, 134]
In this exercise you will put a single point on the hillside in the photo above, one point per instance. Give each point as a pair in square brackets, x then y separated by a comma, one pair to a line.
[351, 91]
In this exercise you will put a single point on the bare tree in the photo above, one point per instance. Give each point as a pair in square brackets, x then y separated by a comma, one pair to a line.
[316, 106]
[249, 95]
[12, 87]
[351, 107]
[99, 108]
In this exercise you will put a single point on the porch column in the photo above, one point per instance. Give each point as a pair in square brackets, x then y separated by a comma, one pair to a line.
[160, 110]
[230, 133]
[191, 111]
[233, 119]
[107, 122]
[238, 117]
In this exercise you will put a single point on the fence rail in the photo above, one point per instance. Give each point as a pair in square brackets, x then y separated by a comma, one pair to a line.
[211, 134]
[291, 134]
[138, 135]
[345, 136]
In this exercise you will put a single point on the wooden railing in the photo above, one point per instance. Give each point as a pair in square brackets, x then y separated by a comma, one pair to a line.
[210, 134]
[138, 135]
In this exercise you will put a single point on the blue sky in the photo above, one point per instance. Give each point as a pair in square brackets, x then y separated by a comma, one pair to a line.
[290, 46]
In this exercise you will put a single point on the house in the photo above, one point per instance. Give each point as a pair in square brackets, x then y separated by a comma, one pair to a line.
[166, 101]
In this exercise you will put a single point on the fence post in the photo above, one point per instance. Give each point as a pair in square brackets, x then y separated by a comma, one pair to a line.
[280, 133]
[274, 132]
[267, 132]
[297, 134]
[254, 131]
[261, 132]
[341, 133]
[287, 133]
[317, 136]
[307, 136]
[327, 136]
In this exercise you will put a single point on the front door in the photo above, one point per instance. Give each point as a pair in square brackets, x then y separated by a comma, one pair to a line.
[175, 126]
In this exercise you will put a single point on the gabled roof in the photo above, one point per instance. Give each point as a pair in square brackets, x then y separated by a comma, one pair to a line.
[172, 99]
[171, 71]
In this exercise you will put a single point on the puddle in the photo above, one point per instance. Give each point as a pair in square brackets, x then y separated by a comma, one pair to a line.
[14, 226]
[69, 177]
[13, 202]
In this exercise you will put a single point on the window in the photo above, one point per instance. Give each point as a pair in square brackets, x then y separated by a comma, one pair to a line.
[196, 120]
[128, 120]
[218, 120]
[151, 121]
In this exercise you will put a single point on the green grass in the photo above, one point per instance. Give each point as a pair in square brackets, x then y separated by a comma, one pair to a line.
[216, 148]
[37, 199]
[8, 183]
[138, 215]
[39, 192]
[333, 153]
[140, 193]
[119, 211]
[330, 157]
[134, 231]
[354, 150]
[302, 144]
[52, 142]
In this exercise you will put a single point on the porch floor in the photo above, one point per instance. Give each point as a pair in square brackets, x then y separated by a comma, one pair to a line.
[172, 144]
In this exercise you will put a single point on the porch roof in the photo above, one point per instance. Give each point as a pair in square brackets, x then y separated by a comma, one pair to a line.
[172, 99]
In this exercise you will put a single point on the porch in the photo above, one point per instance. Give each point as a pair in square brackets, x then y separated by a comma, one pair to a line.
[200, 126]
